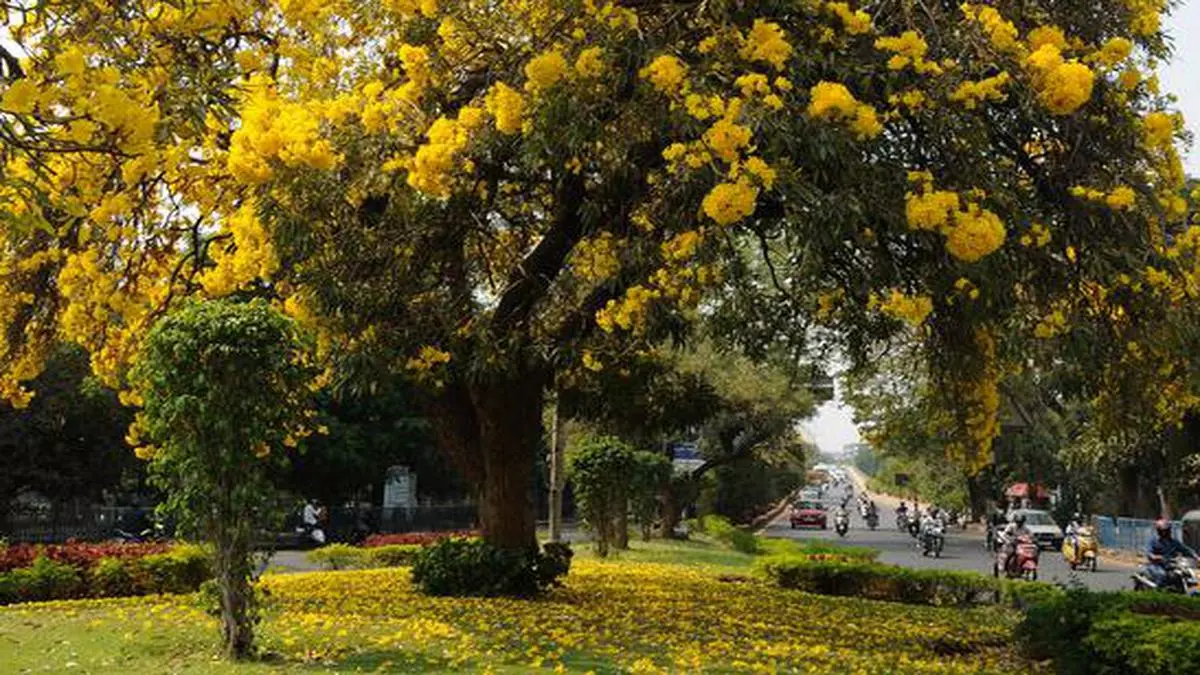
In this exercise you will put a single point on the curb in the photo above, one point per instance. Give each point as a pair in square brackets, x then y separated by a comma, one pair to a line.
[769, 518]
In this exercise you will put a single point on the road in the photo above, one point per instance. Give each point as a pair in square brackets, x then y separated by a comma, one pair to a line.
[964, 550]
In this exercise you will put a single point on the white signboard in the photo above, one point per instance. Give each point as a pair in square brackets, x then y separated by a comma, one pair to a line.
[399, 488]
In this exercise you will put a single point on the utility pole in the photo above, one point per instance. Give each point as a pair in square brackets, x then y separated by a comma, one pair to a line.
[557, 470]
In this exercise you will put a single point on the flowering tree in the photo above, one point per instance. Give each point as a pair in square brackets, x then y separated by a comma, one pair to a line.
[482, 194]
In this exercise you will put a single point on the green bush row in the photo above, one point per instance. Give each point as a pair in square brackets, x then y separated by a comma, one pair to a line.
[895, 584]
[344, 556]
[1117, 632]
[181, 570]
[819, 549]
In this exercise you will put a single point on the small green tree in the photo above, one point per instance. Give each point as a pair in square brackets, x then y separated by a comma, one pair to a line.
[651, 471]
[601, 469]
[222, 387]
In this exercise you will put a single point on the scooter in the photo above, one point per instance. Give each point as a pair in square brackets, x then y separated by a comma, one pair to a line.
[1181, 578]
[309, 536]
[933, 539]
[841, 524]
[1024, 562]
[1080, 550]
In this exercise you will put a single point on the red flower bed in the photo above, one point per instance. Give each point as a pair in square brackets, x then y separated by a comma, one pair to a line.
[415, 538]
[76, 554]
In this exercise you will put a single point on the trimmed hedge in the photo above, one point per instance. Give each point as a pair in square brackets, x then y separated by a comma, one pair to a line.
[180, 570]
[896, 584]
[819, 550]
[343, 556]
[80, 555]
[1116, 632]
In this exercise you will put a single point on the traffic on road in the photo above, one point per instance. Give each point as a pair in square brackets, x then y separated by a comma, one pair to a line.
[1030, 549]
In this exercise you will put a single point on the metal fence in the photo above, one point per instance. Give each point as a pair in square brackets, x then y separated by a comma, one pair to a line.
[1129, 534]
[99, 523]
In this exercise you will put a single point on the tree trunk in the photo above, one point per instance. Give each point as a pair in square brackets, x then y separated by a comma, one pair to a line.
[232, 571]
[977, 497]
[509, 414]
[621, 526]
[557, 471]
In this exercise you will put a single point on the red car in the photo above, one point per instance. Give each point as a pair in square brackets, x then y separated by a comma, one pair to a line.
[809, 514]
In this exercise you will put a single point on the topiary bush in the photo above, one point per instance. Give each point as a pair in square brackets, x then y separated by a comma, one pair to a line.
[398, 555]
[473, 567]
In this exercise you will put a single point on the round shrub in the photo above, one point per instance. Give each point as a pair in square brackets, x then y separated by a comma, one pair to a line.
[473, 567]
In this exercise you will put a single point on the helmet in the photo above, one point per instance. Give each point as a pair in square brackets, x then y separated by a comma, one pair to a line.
[1162, 525]
[1019, 519]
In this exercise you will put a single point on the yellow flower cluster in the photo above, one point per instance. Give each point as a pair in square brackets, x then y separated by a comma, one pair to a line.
[628, 313]
[545, 70]
[730, 202]
[1037, 236]
[1063, 86]
[854, 22]
[595, 258]
[1112, 52]
[976, 234]
[246, 257]
[590, 63]
[1120, 198]
[683, 246]
[1050, 325]
[766, 43]
[427, 359]
[832, 101]
[909, 49]
[972, 232]
[1046, 35]
[912, 309]
[970, 94]
[667, 73]
[1145, 16]
[435, 164]
[507, 107]
[273, 130]
[1000, 31]
[1159, 129]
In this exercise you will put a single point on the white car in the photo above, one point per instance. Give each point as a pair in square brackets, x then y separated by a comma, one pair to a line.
[1045, 531]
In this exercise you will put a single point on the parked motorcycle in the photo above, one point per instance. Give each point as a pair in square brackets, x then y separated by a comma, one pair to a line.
[1081, 549]
[933, 539]
[1181, 578]
[1024, 562]
[841, 523]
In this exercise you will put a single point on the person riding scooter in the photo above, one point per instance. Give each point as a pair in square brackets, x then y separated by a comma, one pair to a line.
[1009, 535]
[1161, 548]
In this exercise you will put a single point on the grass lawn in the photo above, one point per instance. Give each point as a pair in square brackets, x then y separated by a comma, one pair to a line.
[662, 607]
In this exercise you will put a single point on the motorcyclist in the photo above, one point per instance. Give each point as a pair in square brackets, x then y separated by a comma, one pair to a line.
[1073, 526]
[1161, 548]
[1009, 536]
[902, 510]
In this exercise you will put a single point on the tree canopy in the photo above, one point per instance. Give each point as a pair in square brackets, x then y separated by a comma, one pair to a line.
[482, 194]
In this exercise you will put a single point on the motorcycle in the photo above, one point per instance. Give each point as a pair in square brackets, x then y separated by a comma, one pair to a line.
[1024, 562]
[872, 519]
[1080, 550]
[933, 539]
[1181, 578]
[902, 521]
[914, 527]
[841, 524]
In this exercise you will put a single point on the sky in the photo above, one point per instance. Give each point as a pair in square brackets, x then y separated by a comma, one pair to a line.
[833, 426]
